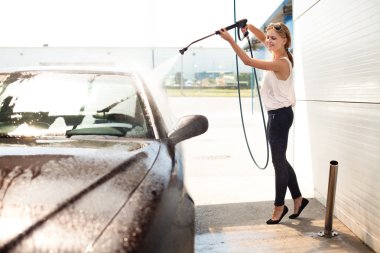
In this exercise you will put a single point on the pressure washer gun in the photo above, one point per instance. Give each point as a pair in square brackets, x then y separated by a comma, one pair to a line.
[238, 24]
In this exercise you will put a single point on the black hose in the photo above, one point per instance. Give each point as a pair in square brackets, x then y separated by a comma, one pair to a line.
[261, 107]
[240, 24]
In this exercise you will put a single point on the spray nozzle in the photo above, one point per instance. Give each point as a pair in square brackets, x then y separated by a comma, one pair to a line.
[238, 24]
[183, 50]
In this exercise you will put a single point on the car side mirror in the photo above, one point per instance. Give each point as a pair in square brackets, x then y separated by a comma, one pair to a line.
[188, 127]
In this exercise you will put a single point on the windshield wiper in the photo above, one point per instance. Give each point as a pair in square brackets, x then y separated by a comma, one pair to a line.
[98, 130]
[7, 136]
[108, 108]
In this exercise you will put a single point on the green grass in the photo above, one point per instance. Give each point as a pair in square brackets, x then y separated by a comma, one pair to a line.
[208, 92]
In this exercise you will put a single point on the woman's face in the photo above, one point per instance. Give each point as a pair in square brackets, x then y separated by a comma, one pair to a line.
[274, 41]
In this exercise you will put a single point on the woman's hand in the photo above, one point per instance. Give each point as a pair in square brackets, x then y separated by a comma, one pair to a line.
[244, 29]
[225, 35]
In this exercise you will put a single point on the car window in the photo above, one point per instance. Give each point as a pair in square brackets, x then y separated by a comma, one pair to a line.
[60, 103]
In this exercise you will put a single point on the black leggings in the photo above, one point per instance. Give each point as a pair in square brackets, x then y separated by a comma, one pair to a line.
[279, 123]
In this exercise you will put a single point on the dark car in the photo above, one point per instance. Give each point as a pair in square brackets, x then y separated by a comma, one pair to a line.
[89, 163]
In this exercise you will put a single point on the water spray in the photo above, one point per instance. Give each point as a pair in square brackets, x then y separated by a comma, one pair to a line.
[241, 24]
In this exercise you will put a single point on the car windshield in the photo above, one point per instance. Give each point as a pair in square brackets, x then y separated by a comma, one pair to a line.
[71, 103]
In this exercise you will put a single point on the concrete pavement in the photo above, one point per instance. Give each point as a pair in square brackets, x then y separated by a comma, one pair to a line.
[234, 198]
[241, 227]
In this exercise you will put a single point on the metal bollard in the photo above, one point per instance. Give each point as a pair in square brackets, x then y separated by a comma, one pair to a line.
[330, 201]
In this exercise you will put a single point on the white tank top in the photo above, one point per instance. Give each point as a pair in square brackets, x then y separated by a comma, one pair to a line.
[278, 93]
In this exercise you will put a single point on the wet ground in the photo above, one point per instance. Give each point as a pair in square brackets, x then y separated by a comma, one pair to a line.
[234, 198]
[240, 227]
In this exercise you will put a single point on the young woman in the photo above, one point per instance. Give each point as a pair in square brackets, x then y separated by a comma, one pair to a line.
[278, 97]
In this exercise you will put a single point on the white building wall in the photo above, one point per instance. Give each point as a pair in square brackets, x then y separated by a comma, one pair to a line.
[337, 55]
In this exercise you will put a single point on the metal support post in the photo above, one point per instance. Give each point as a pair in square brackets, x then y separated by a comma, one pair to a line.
[328, 232]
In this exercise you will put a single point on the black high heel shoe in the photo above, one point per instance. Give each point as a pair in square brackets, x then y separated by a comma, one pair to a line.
[303, 205]
[271, 222]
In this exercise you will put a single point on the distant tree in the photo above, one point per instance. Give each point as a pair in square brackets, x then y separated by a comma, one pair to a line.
[245, 78]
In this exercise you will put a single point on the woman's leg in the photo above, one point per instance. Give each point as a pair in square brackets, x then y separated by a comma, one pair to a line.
[293, 183]
[279, 124]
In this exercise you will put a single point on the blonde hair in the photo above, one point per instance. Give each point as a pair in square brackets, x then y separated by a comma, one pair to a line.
[284, 32]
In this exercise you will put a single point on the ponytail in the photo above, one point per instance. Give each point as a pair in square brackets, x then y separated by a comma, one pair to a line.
[290, 56]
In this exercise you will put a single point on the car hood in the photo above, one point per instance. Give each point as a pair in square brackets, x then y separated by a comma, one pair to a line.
[63, 194]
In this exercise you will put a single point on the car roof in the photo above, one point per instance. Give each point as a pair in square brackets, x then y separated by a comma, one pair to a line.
[65, 68]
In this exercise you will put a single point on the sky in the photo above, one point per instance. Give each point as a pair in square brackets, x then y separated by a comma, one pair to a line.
[124, 23]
